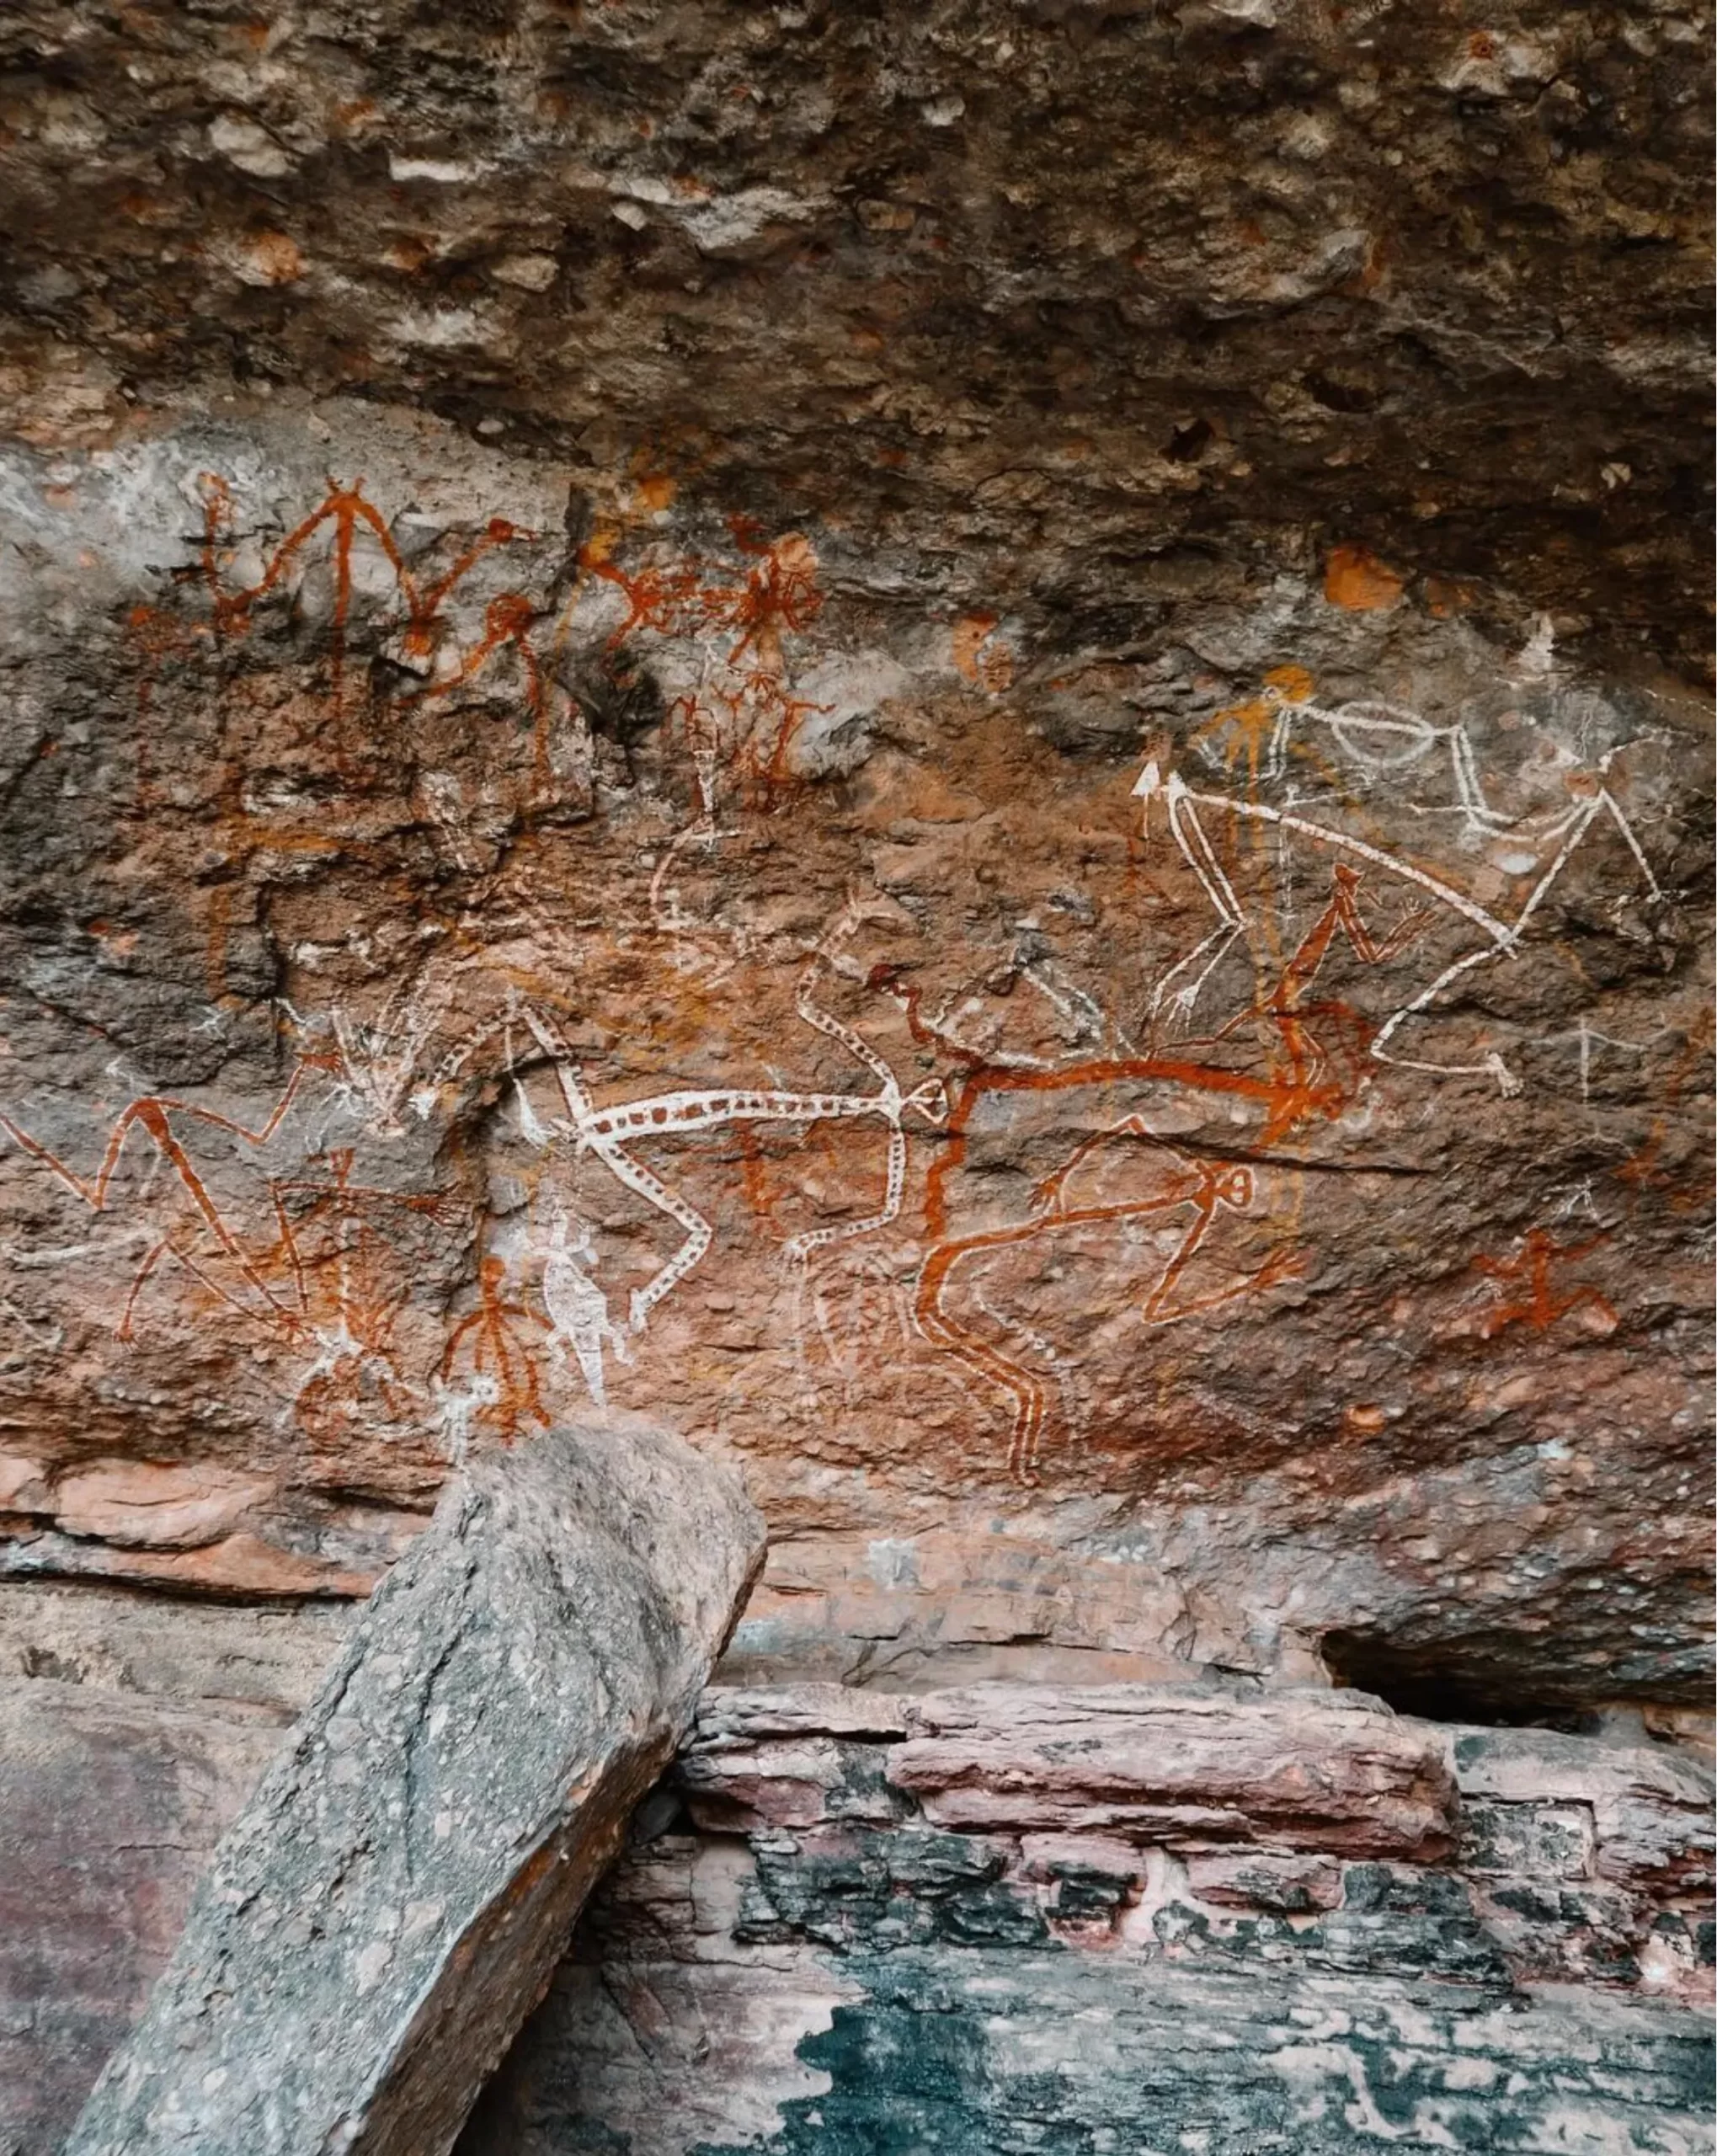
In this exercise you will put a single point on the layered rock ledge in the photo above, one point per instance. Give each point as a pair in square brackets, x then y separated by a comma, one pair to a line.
[1125, 1917]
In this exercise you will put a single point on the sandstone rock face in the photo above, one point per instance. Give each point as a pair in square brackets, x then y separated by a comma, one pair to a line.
[853, 1953]
[1124, 1760]
[1171, 1151]
[393, 1899]
[784, 721]
[135, 1729]
[967, 747]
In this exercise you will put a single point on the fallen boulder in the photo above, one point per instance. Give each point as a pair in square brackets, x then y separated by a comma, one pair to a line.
[392, 1902]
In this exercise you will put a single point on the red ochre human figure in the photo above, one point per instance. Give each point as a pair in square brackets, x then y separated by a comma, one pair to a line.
[335, 1211]
[1535, 1302]
[336, 1215]
[656, 599]
[507, 621]
[499, 1352]
[1205, 1188]
[1306, 1065]
[347, 511]
[781, 593]
[154, 1115]
[354, 1380]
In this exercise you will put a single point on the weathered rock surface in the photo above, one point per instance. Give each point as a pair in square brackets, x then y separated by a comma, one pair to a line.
[240, 1659]
[393, 1898]
[135, 1727]
[961, 747]
[969, 747]
[1288, 1770]
[109, 1807]
[1058, 302]
[1177, 1152]
[828, 1965]
[999, 2052]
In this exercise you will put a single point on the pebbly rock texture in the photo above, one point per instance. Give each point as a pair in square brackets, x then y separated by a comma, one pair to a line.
[1052, 302]
[933, 1922]
[391, 1903]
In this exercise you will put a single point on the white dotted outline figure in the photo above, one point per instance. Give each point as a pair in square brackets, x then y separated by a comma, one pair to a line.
[609, 1133]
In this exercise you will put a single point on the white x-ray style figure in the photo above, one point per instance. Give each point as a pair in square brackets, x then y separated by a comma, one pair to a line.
[1501, 939]
[576, 1307]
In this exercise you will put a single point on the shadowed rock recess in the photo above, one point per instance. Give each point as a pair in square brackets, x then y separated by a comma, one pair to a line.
[967, 749]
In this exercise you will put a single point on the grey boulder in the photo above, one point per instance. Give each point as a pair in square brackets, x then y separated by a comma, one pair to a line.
[392, 1902]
